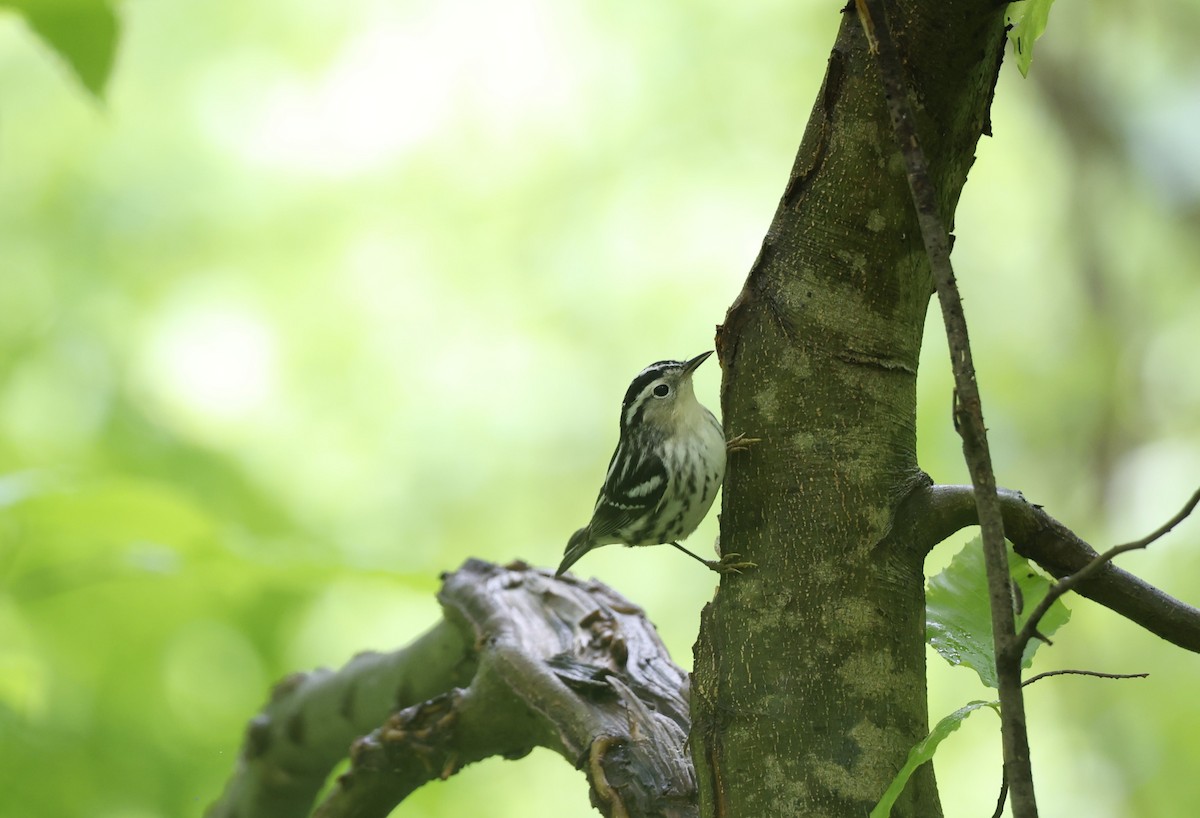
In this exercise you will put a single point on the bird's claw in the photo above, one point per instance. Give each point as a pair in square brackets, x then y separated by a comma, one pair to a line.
[730, 564]
[741, 443]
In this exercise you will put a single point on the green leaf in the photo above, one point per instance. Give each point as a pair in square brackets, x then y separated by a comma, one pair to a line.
[923, 751]
[958, 622]
[82, 32]
[1027, 21]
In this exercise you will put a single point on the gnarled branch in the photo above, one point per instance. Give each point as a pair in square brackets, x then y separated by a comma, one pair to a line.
[540, 661]
[307, 726]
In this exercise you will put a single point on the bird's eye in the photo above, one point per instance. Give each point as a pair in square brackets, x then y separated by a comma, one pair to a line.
[662, 390]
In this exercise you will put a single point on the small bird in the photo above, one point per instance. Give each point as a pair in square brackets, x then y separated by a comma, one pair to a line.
[664, 475]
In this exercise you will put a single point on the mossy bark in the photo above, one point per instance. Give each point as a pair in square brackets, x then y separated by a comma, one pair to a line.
[809, 683]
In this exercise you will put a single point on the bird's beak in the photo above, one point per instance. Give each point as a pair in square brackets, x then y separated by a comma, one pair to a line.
[692, 365]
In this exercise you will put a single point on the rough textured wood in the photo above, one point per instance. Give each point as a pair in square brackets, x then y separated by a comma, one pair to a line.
[561, 664]
[522, 659]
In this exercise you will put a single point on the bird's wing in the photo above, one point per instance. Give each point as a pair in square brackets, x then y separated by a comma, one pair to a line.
[636, 483]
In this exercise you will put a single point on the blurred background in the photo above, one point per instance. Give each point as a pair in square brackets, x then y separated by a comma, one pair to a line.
[325, 298]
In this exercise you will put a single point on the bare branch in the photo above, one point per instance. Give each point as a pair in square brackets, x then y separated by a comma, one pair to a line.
[1068, 583]
[932, 513]
[1093, 673]
[1003, 797]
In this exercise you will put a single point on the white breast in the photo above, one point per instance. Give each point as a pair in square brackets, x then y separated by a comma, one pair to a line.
[695, 458]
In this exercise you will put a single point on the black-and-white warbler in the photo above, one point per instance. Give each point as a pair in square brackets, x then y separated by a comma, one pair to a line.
[669, 463]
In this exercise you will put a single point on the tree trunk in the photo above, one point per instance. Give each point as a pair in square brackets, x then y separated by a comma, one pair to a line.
[809, 683]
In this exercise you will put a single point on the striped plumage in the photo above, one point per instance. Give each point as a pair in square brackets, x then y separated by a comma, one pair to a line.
[665, 473]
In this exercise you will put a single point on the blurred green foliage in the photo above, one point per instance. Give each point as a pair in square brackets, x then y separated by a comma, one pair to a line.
[329, 296]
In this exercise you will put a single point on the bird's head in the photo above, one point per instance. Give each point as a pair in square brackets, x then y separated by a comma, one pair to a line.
[661, 395]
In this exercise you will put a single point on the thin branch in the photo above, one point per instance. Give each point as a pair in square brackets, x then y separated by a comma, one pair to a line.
[1003, 795]
[1093, 673]
[969, 412]
[1002, 798]
[1070, 582]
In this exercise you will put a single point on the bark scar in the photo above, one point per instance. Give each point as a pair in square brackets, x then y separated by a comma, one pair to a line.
[888, 363]
[831, 91]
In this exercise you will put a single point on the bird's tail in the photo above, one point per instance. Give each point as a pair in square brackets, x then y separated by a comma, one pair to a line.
[579, 544]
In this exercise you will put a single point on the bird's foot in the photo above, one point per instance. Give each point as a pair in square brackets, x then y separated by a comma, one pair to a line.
[730, 564]
[741, 443]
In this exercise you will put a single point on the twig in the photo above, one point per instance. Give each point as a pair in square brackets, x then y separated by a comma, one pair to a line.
[1095, 673]
[1003, 797]
[969, 412]
[1070, 582]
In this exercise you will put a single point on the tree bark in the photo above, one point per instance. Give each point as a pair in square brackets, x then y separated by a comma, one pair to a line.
[809, 685]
